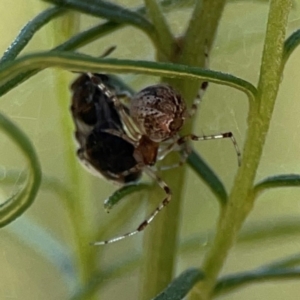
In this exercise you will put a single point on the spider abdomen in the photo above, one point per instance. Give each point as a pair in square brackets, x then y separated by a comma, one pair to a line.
[158, 111]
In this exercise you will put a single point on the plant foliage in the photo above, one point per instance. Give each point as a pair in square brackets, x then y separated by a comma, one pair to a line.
[178, 63]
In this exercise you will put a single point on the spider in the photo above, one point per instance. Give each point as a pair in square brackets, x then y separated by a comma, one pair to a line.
[151, 131]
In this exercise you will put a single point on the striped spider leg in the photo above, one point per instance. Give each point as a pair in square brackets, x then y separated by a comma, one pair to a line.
[185, 150]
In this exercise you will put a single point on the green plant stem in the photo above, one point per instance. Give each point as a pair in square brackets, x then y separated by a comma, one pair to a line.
[76, 204]
[160, 241]
[204, 23]
[242, 197]
[160, 244]
[199, 37]
[164, 36]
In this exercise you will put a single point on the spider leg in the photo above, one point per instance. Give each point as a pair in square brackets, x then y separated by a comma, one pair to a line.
[150, 218]
[198, 98]
[121, 135]
[184, 154]
[171, 147]
[108, 51]
[202, 89]
[186, 150]
[134, 169]
[226, 135]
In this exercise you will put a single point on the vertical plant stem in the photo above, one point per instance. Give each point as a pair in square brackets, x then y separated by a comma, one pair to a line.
[204, 23]
[161, 240]
[241, 198]
[200, 34]
[160, 244]
[77, 206]
[164, 35]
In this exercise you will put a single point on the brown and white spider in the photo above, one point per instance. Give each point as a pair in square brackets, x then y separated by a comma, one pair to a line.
[156, 115]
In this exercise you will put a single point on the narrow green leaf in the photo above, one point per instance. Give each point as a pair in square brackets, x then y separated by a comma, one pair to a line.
[284, 180]
[49, 183]
[90, 35]
[110, 11]
[81, 63]
[181, 285]
[261, 232]
[286, 262]
[20, 201]
[18, 79]
[29, 30]
[79, 40]
[122, 192]
[229, 283]
[268, 229]
[208, 176]
[290, 44]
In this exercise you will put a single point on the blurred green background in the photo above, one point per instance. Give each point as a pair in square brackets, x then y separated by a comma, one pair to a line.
[26, 274]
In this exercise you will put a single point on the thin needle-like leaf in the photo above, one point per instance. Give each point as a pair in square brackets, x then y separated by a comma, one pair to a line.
[181, 285]
[77, 41]
[29, 30]
[284, 180]
[20, 201]
[290, 44]
[229, 283]
[124, 191]
[109, 11]
[208, 176]
[81, 63]
[286, 262]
